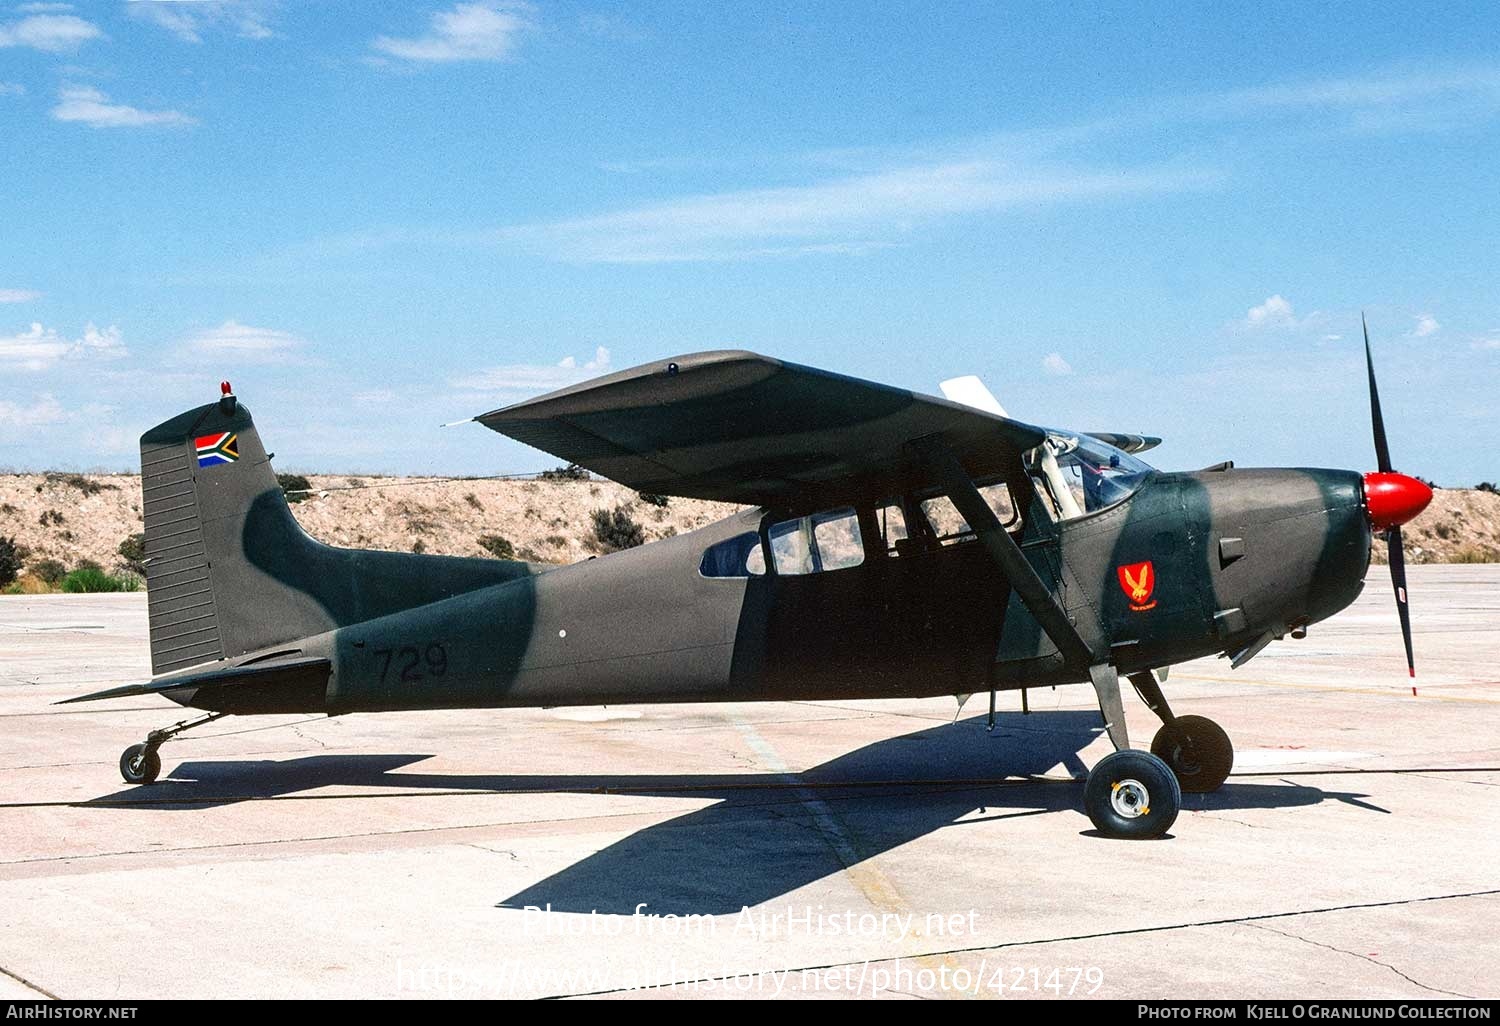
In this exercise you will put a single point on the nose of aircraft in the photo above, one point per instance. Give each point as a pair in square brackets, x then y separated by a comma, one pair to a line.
[1393, 499]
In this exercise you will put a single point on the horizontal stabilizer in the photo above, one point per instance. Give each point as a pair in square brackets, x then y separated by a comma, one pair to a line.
[259, 674]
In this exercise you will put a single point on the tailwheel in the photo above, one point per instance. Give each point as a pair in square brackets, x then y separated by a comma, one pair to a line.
[140, 764]
[1198, 751]
[1132, 794]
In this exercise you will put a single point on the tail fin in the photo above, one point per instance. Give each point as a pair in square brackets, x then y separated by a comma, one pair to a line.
[230, 571]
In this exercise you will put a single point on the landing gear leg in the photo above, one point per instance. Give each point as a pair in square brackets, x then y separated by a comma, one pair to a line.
[1198, 750]
[1128, 793]
[141, 764]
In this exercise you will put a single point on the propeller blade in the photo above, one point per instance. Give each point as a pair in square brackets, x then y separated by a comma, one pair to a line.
[1396, 554]
[1382, 450]
[1398, 581]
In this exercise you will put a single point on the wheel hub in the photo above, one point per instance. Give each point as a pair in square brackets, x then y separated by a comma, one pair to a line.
[1185, 758]
[1129, 798]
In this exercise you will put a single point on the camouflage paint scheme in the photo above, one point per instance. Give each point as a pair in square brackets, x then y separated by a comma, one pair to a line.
[250, 615]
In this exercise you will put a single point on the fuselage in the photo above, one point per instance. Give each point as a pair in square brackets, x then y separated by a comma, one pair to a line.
[1233, 555]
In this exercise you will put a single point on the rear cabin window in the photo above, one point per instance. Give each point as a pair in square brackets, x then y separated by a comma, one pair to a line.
[739, 556]
[822, 542]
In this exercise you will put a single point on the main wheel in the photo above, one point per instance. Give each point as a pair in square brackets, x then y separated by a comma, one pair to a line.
[1198, 751]
[140, 764]
[1132, 794]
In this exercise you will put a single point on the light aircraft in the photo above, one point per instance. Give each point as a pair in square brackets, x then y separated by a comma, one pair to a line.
[894, 545]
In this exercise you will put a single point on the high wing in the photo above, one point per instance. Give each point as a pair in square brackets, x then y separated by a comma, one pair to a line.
[735, 426]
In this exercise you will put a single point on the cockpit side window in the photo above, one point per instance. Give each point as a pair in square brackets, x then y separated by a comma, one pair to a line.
[949, 526]
[1079, 475]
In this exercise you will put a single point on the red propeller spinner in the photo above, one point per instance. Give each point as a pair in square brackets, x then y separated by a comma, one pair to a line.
[1392, 499]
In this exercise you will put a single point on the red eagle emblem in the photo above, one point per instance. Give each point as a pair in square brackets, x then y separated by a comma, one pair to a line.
[1138, 582]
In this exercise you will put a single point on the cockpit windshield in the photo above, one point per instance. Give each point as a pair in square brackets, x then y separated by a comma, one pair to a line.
[1082, 474]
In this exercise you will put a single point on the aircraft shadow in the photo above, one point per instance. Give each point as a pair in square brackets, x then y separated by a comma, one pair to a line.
[766, 834]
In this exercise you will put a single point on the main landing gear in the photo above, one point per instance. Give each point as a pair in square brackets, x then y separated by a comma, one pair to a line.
[141, 764]
[1196, 747]
[1138, 794]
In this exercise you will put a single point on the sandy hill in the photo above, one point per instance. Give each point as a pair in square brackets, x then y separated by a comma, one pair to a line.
[70, 517]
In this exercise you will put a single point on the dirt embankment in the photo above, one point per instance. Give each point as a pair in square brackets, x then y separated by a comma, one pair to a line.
[70, 517]
[1461, 526]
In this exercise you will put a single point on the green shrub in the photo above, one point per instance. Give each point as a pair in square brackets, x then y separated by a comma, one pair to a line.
[83, 484]
[652, 499]
[1486, 486]
[90, 579]
[51, 518]
[473, 500]
[1477, 554]
[295, 487]
[616, 529]
[495, 545]
[12, 558]
[572, 472]
[133, 553]
[49, 570]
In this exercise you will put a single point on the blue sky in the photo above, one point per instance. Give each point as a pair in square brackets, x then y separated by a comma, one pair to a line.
[375, 219]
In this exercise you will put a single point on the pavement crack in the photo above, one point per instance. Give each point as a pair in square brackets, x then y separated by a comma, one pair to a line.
[496, 851]
[298, 731]
[1355, 954]
[23, 981]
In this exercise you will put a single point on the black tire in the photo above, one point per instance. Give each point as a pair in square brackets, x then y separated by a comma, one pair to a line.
[1132, 794]
[140, 764]
[1198, 750]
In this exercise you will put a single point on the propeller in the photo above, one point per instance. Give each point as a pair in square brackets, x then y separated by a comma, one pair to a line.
[1391, 499]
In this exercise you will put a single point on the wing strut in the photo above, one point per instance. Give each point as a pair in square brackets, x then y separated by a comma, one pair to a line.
[1034, 594]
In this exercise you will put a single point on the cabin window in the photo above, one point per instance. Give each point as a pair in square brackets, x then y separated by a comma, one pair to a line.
[740, 556]
[892, 522]
[838, 540]
[949, 526]
[824, 541]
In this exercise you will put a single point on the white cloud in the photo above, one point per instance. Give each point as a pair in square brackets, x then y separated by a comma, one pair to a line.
[535, 377]
[50, 33]
[1490, 341]
[46, 410]
[245, 344]
[1054, 364]
[12, 89]
[38, 8]
[375, 397]
[844, 215]
[39, 348]
[18, 295]
[1275, 312]
[1426, 325]
[189, 19]
[469, 32]
[1402, 92]
[91, 107]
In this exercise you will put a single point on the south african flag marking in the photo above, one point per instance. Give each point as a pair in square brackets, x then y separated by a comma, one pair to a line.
[216, 449]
